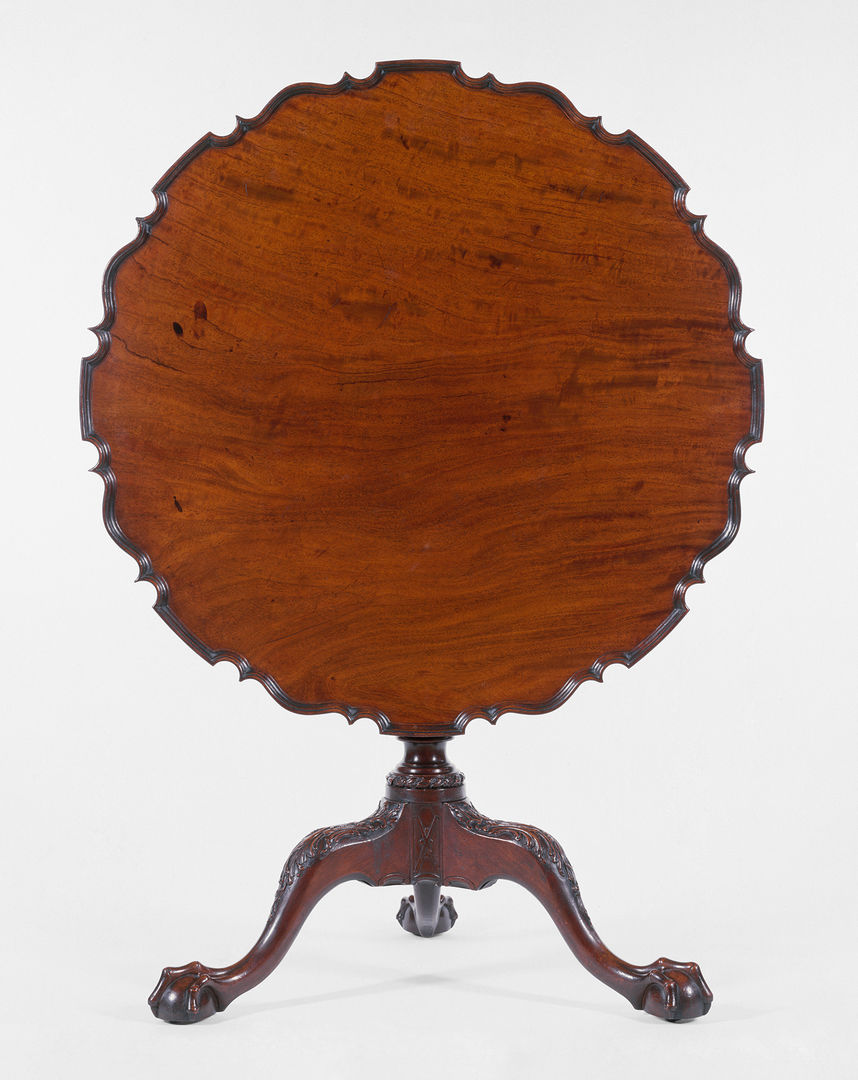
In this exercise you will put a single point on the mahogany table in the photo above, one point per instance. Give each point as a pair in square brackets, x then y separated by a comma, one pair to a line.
[423, 398]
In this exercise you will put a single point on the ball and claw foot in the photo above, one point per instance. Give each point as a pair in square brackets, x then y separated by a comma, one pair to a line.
[184, 995]
[407, 916]
[675, 991]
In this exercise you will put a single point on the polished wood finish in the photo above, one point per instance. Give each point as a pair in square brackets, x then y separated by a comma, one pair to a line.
[421, 397]
[427, 832]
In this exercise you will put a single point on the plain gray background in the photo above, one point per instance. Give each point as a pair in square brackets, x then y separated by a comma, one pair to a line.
[706, 797]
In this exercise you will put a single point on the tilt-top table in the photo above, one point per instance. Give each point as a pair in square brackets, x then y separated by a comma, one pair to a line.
[423, 398]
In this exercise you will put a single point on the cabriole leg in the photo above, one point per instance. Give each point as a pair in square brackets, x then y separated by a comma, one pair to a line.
[475, 845]
[370, 850]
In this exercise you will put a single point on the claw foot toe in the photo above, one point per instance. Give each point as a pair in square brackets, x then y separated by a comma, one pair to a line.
[407, 918]
[185, 995]
[676, 991]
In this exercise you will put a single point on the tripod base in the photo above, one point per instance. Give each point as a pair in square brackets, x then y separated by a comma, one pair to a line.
[426, 832]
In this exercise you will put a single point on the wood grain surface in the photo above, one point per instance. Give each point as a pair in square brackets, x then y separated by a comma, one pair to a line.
[421, 397]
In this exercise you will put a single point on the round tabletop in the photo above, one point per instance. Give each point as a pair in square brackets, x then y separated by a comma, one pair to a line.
[421, 397]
